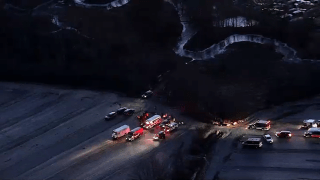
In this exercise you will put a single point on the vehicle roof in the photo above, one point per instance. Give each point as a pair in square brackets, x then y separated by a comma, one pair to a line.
[314, 129]
[122, 108]
[254, 139]
[285, 131]
[173, 123]
[309, 121]
[112, 113]
[129, 109]
[267, 135]
[153, 118]
[149, 91]
[136, 129]
[121, 128]
[262, 121]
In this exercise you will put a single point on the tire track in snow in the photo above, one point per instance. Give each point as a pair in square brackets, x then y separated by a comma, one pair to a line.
[44, 129]
[71, 140]
[36, 110]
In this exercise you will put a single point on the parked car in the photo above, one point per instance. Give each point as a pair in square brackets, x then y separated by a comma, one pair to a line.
[284, 134]
[164, 123]
[147, 94]
[121, 110]
[312, 132]
[253, 142]
[110, 115]
[160, 135]
[171, 127]
[129, 112]
[268, 138]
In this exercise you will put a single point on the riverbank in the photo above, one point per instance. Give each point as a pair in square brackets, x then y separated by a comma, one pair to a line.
[246, 78]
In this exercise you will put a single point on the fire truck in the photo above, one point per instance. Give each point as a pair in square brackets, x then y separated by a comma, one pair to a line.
[135, 133]
[153, 121]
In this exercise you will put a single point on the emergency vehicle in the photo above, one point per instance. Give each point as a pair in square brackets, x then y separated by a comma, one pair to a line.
[153, 121]
[135, 133]
[262, 125]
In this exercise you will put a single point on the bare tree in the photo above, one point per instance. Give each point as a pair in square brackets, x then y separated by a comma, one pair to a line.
[151, 170]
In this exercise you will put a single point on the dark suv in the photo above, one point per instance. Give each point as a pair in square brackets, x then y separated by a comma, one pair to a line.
[129, 112]
[110, 116]
[284, 134]
[147, 94]
[121, 110]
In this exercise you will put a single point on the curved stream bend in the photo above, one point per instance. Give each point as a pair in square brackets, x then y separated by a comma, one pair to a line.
[209, 53]
[188, 32]
[113, 4]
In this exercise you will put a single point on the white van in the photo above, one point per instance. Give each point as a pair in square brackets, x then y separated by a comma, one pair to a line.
[121, 131]
[253, 142]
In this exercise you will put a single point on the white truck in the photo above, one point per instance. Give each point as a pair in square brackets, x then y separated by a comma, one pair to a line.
[120, 131]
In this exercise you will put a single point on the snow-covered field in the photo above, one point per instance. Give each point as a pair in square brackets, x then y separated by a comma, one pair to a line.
[51, 133]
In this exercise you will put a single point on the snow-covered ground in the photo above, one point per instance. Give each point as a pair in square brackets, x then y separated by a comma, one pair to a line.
[51, 133]
[113, 4]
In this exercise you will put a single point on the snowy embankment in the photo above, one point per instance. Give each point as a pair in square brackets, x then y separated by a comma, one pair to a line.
[113, 4]
[81, 3]
[188, 32]
[64, 26]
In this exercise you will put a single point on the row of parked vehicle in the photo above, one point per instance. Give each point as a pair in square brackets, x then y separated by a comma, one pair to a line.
[122, 110]
[165, 123]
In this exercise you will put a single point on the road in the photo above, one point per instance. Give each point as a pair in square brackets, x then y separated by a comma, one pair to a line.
[285, 159]
[51, 133]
